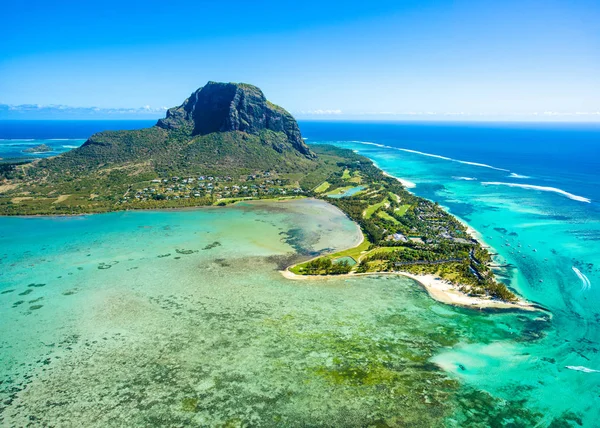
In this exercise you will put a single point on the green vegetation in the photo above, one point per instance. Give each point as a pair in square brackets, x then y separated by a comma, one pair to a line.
[354, 252]
[204, 154]
[200, 154]
[322, 187]
[384, 215]
[325, 266]
[372, 208]
[356, 178]
[401, 210]
[41, 148]
[339, 191]
[403, 232]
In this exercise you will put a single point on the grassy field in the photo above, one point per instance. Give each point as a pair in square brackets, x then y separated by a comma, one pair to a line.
[402, 209]
[383, 250]
[356, 178]
[386, 216]
[322, 187]
[346, 175]
[372, 208]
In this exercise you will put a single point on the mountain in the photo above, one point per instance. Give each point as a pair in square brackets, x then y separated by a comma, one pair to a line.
[222, 130]
[228, 107]
[221, 127]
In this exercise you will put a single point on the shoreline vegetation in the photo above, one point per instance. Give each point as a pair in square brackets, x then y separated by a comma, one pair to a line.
[405, 234]
[438, 289]
[402, 233]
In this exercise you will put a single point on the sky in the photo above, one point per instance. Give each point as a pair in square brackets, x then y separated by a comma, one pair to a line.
[454, 60]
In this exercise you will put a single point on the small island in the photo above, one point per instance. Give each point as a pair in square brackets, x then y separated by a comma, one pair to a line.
[41, 148]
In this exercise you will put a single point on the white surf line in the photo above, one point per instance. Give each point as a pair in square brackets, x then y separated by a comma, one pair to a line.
[542, 188]
[582, 369]
[431, 155]
[584, 279]
[515, 175]
[406, 183]
[465, 178]
[372, 144]
[483, 165]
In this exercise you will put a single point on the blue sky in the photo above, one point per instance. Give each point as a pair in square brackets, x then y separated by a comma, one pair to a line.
[392, 59]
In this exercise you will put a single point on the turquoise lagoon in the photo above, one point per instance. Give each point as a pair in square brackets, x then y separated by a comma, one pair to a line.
[534, 200]
[177, 318]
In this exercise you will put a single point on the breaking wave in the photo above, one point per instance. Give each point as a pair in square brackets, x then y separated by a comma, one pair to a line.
[515, 175]
[582, 369]
[542, 188]
[431, 155]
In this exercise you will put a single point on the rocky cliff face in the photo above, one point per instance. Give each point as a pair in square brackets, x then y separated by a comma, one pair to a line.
[223, 107]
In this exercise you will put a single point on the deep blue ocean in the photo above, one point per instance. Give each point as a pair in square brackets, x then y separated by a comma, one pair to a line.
[60, 135]
[550, 153]
[531, 191]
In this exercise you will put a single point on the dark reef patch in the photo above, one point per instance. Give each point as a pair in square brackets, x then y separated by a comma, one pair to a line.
[103, 266]
[180, 251]
[284, 260]
[298, 240]
[222, 262]
[212, 245]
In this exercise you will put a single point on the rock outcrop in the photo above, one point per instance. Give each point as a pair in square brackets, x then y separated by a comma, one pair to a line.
[224, 107]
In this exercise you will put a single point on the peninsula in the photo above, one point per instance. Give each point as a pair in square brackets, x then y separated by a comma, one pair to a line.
[227, 143]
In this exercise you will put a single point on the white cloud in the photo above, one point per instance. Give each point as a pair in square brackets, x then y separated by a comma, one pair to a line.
[321, 112]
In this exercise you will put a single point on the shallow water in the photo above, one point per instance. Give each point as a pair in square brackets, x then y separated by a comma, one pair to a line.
[546, 243]
[180, 317]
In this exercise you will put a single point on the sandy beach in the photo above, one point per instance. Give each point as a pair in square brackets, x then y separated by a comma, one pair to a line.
[405, 183]
[439, 289]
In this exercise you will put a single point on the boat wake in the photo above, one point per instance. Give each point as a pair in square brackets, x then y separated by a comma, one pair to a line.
[586, 284]
[582, 369]
[542, 188]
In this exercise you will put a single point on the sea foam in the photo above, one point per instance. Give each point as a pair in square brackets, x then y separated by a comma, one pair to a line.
[431, 155]
[582, 369]
[541, 188]
[515, 175]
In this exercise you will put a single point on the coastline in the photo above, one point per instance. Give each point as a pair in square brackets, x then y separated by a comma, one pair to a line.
[407, 184]
[437, 288]
[188, 208]
[448, 293]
